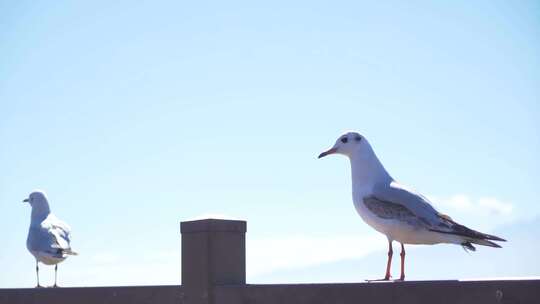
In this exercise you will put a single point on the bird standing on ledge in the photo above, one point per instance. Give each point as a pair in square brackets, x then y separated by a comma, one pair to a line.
[396, 211]
[48, 237]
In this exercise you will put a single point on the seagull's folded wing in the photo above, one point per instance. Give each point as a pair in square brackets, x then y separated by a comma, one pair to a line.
[59, 236]
[403, 203]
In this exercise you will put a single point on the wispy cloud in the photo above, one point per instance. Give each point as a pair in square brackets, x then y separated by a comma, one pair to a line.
[495, 206]
[123, 267]
[481, 206]
[479, 213]
[272, 254]
[105, 258]
[213, 216]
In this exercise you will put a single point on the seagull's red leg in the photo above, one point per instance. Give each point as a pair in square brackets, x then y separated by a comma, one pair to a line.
[55, 274]
[37, 274]
[402, 254]
[388, 264]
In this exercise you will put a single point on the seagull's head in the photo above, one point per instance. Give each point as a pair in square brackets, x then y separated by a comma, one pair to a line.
[347, 144]
[36, 198]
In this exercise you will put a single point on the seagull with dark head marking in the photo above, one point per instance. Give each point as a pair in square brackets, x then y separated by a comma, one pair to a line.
[396, 211]
[48, 237]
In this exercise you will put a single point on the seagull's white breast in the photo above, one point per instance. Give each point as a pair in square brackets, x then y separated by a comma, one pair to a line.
[369, 217]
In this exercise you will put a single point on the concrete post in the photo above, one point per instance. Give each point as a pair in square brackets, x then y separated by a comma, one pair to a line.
[213, 253]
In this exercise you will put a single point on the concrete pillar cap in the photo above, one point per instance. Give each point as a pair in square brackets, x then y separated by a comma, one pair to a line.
[213, 225]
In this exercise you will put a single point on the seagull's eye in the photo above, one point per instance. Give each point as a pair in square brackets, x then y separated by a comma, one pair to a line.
[358, 138]
[344, 140]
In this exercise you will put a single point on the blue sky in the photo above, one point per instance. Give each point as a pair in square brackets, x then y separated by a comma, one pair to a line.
[135, 116]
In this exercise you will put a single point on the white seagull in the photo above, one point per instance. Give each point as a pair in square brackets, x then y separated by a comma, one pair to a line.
[48, 237]
[396, 211]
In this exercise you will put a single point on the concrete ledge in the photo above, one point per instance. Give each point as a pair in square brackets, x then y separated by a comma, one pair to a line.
[413, 292]
[417, 292]
[92, 295]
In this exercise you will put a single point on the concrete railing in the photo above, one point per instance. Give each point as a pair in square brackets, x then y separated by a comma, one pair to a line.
[214, 272]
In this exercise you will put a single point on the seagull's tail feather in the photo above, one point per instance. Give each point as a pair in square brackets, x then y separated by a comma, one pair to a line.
[471, 236]
[492, 237]
[485, 243]
[468, 246]
[70, 252]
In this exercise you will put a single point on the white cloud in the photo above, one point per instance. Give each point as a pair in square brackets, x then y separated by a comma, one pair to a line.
[124, 268]
[495, 206]
[481, 206]
[483, 213]
[272, 254]
[105, 258]
[213, 216]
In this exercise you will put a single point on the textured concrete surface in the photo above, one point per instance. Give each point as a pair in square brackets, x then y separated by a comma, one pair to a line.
[414, 292]
[87, 295]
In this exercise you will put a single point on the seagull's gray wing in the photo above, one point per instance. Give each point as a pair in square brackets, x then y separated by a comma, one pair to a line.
[61, 233]
[397, 202]
[51, 238]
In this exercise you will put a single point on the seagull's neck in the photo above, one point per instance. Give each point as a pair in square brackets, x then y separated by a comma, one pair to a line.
[40, 213]
[367, 170]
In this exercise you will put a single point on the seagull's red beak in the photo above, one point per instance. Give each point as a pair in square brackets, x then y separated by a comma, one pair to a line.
[331, 151]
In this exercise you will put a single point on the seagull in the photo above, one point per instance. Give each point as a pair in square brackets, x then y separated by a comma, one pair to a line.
[395, 210]
[48, 237]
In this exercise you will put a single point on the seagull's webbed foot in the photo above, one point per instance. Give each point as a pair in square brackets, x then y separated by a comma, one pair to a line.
[386, 278]
[55, 286]
[38, 286]
[378, 280]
